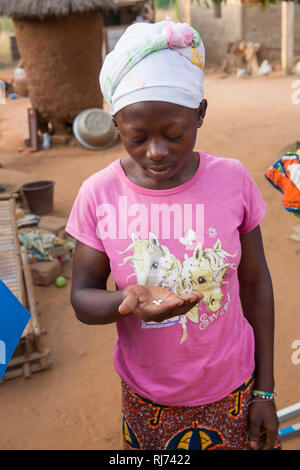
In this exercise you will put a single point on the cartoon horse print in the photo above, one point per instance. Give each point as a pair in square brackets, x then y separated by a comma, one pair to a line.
[153, 264]
[205, 272]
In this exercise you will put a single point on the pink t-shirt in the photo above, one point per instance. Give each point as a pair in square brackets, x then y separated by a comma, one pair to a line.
[185, 239]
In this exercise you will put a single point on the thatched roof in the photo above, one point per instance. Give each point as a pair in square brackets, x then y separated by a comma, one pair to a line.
[42, 8]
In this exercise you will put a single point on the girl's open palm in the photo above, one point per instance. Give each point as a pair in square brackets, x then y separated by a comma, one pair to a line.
[139, 301]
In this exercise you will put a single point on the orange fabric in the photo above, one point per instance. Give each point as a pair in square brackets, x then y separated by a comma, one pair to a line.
[280, 176]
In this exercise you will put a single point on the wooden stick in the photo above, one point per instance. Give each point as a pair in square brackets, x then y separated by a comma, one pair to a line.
[33, 357]
[33, 128]
[14, 373]
[26, 370]
[17, 249]
[30, 292]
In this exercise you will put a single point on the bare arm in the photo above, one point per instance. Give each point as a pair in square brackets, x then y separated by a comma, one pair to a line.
[256, 294]
[94, 305]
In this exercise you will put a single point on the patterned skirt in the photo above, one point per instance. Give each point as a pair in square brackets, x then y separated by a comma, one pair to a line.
[221, 425]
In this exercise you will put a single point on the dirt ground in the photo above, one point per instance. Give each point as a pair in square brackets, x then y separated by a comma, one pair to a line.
[76, 403]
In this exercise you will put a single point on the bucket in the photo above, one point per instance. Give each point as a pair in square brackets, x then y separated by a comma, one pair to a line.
[39, 196]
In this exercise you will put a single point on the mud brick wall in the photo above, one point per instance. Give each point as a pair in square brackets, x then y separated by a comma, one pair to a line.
[238, 22]
[215, 32]
[62, 58]
[297, 31]
[264, 26]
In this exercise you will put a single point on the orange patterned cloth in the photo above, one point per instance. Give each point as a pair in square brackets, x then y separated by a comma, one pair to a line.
[221, 425]
[284, 175]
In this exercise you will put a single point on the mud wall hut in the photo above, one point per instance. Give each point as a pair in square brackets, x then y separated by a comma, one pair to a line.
[60, 42]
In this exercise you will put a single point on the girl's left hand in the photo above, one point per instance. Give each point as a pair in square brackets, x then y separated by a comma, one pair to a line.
[263, 425]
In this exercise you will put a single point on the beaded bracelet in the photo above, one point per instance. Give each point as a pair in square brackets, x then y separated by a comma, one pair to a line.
[264, 395]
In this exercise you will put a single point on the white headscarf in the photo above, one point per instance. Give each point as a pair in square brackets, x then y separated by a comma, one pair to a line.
[155, 62]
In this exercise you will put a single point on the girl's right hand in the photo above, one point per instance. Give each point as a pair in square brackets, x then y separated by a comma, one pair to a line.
[139, 299]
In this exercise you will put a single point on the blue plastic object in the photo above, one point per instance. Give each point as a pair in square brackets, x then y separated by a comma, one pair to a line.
[13, 320]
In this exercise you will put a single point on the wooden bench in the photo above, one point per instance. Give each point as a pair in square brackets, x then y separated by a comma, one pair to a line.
[30, 355]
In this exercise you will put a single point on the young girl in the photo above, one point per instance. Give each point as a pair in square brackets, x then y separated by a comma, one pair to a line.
[179, 231]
